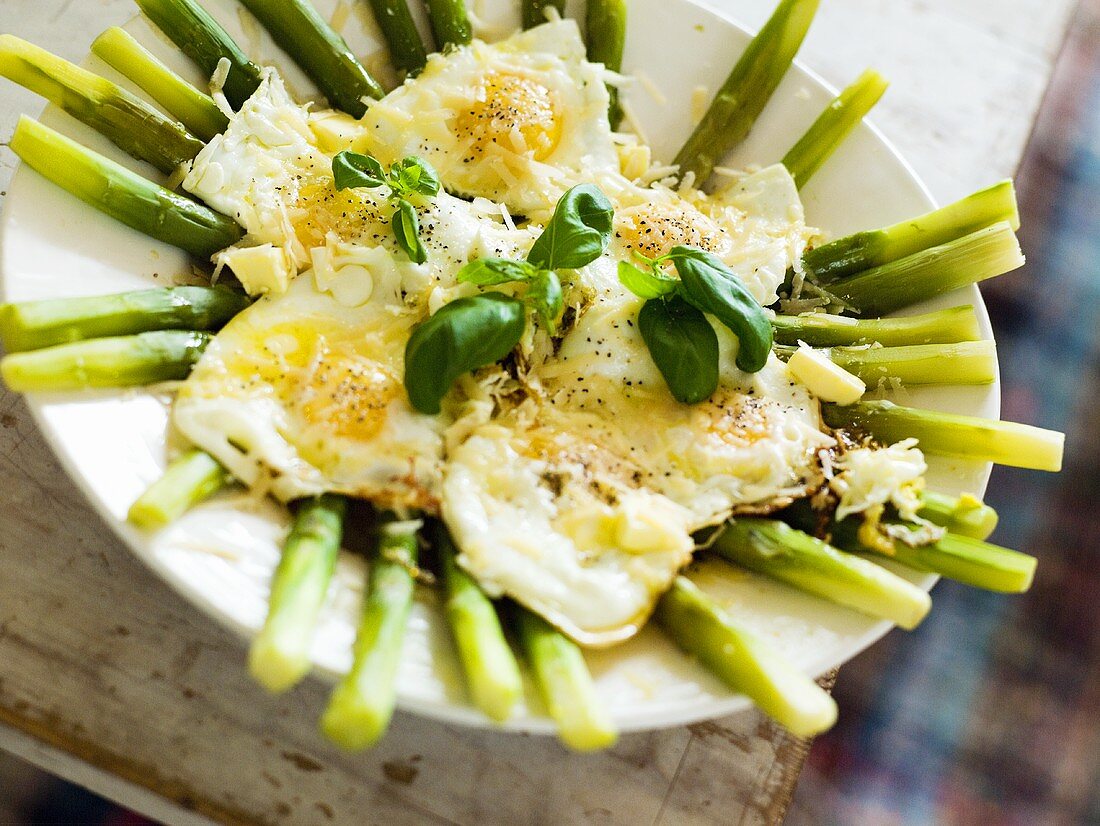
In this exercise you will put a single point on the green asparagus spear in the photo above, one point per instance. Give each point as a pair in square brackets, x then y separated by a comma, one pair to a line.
[123, 361]
[31, 325]
[967, 362]
[965, 559]
[833, 126]
[564, 683]
[361, 705]
[192, 477]
[399, 29]
[983, 254]
[950, 434]
[129, 123]
[122, 194]
[192, 108]
[280, 654]
[321, 52]
[775, 549]
[492, 674]
[605, 32]
[198, 35]
[746, 91]
[864, 250]
[744, 662]
[963, 515]
[534, 11]
[825, 330]
[450, 24]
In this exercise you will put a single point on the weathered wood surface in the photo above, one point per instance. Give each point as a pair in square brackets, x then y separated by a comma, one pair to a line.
[109, 678]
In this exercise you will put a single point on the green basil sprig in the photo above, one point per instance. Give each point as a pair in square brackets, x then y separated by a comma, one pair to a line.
[684, 347]
[463, 335]
[409, 176]
[471, 332]
[688, 359]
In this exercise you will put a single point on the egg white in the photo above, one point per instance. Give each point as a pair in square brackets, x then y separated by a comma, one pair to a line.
[518, 121]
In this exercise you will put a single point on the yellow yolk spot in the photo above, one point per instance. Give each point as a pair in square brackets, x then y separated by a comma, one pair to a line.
[513, 112]
[349, 395]
[654, 229]
[322, 209]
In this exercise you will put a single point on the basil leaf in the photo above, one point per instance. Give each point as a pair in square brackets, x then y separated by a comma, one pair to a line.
[463, 335]
[491, 271]
[577, 234]
[406, 229]
[415, 174]
[350, 169]
[708, 284]
[683, 345]
[644, 283]
[546, 297]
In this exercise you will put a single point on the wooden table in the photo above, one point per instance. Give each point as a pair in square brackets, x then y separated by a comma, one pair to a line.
[111, 680]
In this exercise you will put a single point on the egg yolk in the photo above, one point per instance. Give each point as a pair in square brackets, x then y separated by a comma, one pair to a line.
[653, 230]
[321, 208]
[350, 396]
[513, 112]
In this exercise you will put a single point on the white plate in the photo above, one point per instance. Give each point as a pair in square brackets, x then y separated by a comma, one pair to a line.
[222, 554]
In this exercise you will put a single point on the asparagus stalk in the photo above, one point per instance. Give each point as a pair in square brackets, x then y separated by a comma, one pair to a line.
[775, 549]
[198, 35]
[825, 330]
[492, 674]
[968, 362]
[744, 662]
[534, 11]
[965, 559]
[950, 434]
[129, 123]
[450, 23]
[180, 99]
[362, 703]
[833, 125]
[564, 683]
[122, 361]
[605, 32]
[321, 52]
[188, 480]
[746, 91]
[122, 194]
[864, 250]
[975, 257]
[402, 37]
[963, 515]
[279, 656]
[32, 325]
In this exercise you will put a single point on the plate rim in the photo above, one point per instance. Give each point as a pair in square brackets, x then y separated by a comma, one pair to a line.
[452, 712]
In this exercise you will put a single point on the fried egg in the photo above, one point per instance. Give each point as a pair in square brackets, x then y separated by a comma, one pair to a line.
[518, 121]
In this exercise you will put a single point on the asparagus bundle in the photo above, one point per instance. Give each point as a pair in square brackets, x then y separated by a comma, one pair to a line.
[279, 656]
[115, 190]
[32, 325]
[492, 674]
[968, 362]
[399, 29]
[362, 703]
[746, 91]
[322, 53]
[129, 123]
[833, 126]
[198, 35]
[192, 108]
[192, 477]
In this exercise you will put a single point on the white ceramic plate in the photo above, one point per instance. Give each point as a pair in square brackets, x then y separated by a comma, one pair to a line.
[221, 555]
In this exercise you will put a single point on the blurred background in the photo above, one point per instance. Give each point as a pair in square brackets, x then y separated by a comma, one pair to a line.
[989, 713]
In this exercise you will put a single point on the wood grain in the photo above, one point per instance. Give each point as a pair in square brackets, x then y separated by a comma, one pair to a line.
[109, 678]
